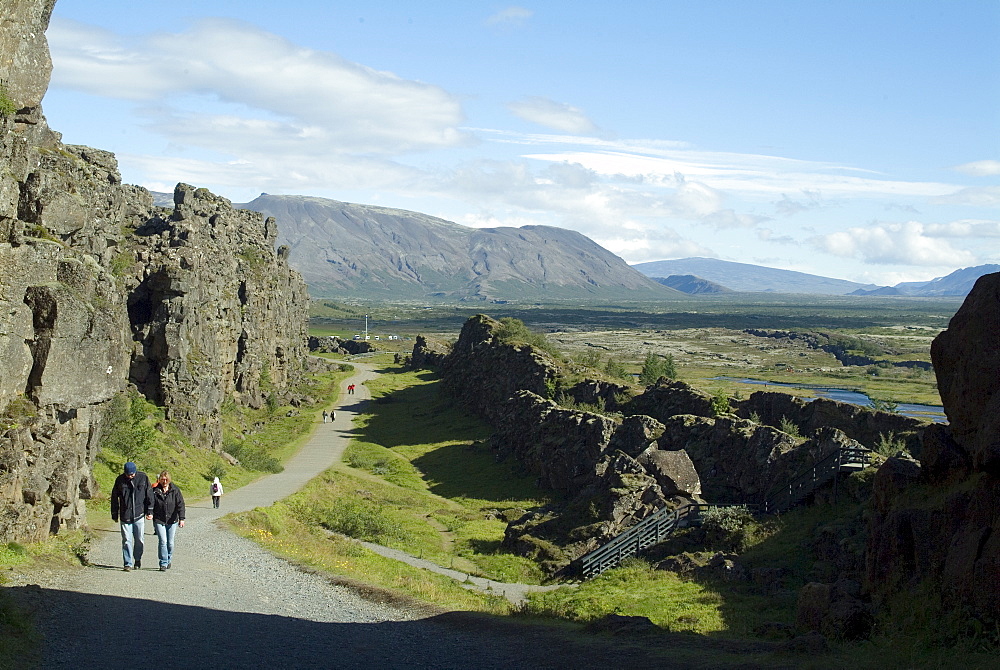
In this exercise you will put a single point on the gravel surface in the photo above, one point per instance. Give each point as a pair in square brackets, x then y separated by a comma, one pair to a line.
[226, 603]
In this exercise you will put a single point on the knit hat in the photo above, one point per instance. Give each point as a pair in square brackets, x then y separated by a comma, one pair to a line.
[130, 468]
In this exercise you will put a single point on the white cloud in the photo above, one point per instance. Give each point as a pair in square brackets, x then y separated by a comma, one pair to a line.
[897, 243]
[343, 106]
[510, 17]
[788, 207]
[976, 196]
[967, 228]
[980, 168]
[551, 114]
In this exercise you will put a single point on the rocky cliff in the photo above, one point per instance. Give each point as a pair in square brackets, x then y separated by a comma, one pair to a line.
[935, 533]
[664, 447]
[99, 289]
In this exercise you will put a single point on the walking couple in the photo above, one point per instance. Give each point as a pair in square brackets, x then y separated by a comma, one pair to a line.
[134, 501]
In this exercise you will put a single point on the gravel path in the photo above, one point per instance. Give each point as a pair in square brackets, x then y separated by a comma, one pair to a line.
[227, 603]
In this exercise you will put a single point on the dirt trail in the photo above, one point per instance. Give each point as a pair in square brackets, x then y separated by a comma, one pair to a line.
[227, 603]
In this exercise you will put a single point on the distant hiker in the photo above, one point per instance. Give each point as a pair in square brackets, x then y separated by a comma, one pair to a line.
[215, 489]
[333, 415]
[325, 416]
[131, 505]
[350, 389]
[168, 515]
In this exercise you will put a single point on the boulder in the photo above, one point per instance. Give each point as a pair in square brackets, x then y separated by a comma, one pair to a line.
[672, 470]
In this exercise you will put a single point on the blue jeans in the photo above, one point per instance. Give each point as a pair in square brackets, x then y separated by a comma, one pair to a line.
[132, 541]
[165, 534]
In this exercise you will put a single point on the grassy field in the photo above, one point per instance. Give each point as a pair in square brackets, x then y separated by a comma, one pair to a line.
[419, 478]
[704, 335]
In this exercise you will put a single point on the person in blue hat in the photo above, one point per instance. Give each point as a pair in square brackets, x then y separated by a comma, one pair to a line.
[131, 505]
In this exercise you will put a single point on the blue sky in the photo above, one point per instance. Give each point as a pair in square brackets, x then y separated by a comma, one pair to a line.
[858, 140]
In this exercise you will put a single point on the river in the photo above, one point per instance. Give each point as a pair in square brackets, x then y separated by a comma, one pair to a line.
[933, 413]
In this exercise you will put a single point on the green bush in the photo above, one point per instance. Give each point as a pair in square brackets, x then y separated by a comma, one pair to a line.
[513, 331]
[359, 519]
[126, 430]
[655, 367]
[720, 404]
[786, 425]
[728, 528]
[7, 105]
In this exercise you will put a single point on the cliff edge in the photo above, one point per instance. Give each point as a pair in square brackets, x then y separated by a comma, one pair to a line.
[101, 290]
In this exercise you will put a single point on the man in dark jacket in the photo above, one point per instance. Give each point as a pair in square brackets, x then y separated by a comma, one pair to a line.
[131, 505]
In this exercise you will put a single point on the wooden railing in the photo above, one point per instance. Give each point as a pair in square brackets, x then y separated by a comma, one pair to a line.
[656, 527]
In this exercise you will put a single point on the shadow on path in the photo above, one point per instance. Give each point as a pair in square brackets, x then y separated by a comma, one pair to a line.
[201, 637]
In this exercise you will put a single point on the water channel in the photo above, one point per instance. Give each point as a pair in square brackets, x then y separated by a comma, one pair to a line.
[933, 413]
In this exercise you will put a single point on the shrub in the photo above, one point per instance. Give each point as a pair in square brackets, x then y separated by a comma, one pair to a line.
[786, 425]
[889, 445]
[614, 368]
[884, 405]
[7, 105]
[728, 528]
[125, 429]
[655, 367]
[720, 404]
[513, 331]
[359, 519]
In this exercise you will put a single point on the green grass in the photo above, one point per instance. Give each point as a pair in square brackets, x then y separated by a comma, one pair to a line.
[419, 477]
[281, 529]
[635, 589]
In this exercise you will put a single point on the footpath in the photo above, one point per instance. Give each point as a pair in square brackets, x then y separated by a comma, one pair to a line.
[227, 603]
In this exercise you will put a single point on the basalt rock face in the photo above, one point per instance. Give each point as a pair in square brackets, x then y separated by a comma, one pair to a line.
[482, 372]
[213, 310]
[859, 423]
[937, 521]
[740, 461]
[100, 289]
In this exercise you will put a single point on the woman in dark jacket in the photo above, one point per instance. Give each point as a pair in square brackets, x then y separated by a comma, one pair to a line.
[168, 515]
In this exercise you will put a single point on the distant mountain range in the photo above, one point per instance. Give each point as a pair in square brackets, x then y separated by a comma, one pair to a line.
[345, 250]
[958, 283]
[746, 278]
[743, 277]
[351, 250]
[692, 285]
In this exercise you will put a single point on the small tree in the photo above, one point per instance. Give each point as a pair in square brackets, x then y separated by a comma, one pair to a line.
[884, 405]
[125, 427]
[615, 368]
[655, 367]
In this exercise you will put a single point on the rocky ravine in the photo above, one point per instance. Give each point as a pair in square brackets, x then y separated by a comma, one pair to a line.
[99, 289]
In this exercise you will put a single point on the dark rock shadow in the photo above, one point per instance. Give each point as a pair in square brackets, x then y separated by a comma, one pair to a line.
[84, 631]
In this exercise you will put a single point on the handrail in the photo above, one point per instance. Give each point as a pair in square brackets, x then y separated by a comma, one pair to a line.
[815, 476]
[661, 523]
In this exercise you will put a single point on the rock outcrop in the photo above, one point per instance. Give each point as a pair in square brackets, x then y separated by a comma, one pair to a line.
[667, 449]
[866, 426]
[482, 372]
[936, 522]
[99, 289]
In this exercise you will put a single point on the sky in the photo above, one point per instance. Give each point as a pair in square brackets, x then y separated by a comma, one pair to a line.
[851, 139]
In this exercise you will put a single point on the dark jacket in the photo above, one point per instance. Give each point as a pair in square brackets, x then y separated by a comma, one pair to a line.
[168, 507]
[131, 499]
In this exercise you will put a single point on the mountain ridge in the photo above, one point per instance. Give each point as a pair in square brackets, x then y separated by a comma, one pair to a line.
[348, 249]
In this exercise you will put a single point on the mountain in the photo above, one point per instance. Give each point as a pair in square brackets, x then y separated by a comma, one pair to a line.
[744, 277]
[958, 283]
[692, 285]
[345, 250]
